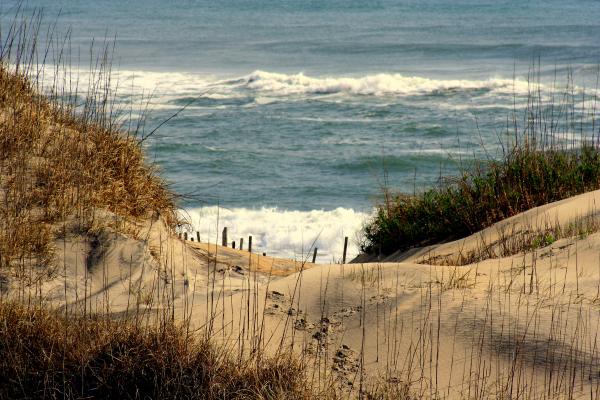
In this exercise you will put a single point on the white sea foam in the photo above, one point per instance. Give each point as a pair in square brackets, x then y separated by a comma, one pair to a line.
[374, 85]
[159, 87]
[267, 87]
[282, 233]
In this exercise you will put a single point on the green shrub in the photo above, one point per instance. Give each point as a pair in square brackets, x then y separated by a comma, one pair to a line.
[536, 169]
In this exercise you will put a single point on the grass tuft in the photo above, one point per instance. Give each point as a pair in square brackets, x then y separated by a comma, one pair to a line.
[47, 356]
[538, 165]
[58, 163]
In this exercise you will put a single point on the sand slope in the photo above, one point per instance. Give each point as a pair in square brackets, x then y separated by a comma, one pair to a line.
[522, 325]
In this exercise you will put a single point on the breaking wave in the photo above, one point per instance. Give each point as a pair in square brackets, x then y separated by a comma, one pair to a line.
[373, 85]
[171, 89]
[282, 233]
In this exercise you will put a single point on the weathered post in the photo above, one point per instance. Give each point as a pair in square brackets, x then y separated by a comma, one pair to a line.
[224, 239]
[184, 235]
[198, 237]
[314, 255]
[345, 249]
[233, 244]
[249, 244]
[241, 243]
[264, 254]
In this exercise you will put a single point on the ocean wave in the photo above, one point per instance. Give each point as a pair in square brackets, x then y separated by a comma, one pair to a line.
[282, 233]
[263, 87]
[373, 85]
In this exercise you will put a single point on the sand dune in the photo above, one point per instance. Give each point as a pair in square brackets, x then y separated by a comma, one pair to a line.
[506, 326]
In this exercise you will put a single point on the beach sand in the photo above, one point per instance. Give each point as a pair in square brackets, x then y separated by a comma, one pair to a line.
[523, 325]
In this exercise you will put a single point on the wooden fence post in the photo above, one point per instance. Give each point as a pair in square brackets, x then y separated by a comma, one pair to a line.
[233, 244]
[198, 237]
[241, 243]
[184, 235]
[249, 244]
[224, 241]
[314, 255]
[345, 249]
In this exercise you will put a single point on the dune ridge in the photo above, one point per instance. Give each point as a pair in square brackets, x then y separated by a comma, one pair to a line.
[518, 324]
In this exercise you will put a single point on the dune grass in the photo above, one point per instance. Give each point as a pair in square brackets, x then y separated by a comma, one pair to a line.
[68, 159]
[62, 158]
[45, 355]
[553, 155]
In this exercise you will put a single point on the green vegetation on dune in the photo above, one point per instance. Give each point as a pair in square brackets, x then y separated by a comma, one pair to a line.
[539, 167]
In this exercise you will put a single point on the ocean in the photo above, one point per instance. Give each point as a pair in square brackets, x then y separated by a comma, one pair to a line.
[297, 113]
